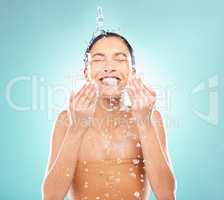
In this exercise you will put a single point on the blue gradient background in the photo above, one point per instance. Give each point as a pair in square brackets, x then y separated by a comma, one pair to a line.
[177, 43]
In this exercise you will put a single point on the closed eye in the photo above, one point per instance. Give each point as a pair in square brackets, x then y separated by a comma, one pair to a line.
[121, 59]
[98, 58]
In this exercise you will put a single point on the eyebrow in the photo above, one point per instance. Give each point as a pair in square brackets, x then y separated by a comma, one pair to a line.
[121, 53]
[116, 54]
[98, 54]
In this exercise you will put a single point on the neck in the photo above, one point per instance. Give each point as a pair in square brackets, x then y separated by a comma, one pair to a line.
[107, 111]
[108, 106]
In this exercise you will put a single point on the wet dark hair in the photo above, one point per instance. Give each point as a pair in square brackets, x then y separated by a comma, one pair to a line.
[109, 34]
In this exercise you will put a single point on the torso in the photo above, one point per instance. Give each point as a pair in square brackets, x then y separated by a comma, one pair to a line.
[110, 166]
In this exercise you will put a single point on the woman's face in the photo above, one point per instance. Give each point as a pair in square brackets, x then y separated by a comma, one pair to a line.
[109, 64]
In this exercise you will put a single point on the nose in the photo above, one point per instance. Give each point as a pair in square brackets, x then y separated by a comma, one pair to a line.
[109, 66]
[107, 70]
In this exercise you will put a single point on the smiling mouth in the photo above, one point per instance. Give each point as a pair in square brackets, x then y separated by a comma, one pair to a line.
[110, 80]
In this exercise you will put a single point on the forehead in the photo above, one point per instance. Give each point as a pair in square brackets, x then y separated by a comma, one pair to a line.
[110, 44]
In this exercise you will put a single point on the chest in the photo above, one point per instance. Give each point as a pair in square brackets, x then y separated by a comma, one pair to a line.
[122, 142]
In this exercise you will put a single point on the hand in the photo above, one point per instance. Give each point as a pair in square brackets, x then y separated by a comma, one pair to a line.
[142, 98]
[82, 105]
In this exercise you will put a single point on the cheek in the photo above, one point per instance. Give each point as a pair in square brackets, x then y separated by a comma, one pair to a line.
[93, 72]
[125, 73]
[125, 70]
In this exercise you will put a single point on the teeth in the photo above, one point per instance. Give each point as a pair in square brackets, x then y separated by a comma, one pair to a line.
[110, 81]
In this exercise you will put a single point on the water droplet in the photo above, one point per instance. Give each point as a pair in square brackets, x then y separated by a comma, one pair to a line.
[97, 198]
[143, 136]
[138, 145]
[141, 175]
[131, 120]
[135, 161]
[130, 169]
[133, 174]
[118, 160]
[86, 169]
[106, 195]
[137, 194]
[86, 184]
[118, 179]
[142, 180]
[84, 162]
[106, 183]
[67, 175]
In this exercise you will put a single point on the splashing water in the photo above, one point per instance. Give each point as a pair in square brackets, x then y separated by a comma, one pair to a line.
[99, 19]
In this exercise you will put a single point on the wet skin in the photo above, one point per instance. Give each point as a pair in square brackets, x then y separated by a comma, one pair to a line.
[106, 161]
[110, 171]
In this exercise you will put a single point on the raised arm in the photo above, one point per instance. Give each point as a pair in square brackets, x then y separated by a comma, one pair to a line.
[153, 140]
[157, 161]
[66, 140]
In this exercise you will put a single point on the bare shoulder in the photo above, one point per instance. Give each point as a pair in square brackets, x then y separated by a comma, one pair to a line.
[157, 118]
[58, 134]
[61, 125]
[62, 119]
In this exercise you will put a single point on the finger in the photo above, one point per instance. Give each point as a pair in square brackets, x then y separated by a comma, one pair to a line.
[153, 93]
[83, 91]
[150, 93]
[135, 89]
[92, 102]
[141, 88]
[85, 94]
[138, 88]
[77, 95]
[132, 95]
[90, 96]
[146, 96]
[150, 99]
